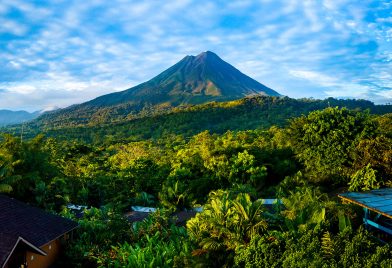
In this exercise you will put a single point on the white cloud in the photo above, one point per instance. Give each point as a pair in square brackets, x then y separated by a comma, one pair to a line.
[57, 90]
[350, 91]
[386, 94]
[81, 49]
[339, 88]
[12, 27]
[315, 77]
[20, 89]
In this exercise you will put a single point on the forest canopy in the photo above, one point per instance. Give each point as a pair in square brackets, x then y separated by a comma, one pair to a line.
[303, 163]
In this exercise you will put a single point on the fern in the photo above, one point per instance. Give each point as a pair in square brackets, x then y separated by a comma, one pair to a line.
[327, 245]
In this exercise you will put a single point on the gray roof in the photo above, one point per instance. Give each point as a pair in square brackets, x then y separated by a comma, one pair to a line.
[379, 201]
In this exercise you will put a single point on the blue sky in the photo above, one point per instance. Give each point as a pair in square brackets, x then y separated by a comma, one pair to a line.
[57, 53]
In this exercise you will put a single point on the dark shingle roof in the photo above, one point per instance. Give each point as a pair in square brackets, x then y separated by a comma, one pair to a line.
[35, 225]
[7, 243]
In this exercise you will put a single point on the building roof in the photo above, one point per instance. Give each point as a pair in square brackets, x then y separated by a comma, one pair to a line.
[32, 225]
[135, 216]
[379, 201]
[10, 241]
[143, 209]
[183, 216]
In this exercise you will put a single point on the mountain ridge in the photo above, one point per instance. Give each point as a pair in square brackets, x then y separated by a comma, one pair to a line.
[9, 117]
[196, 75]
[192, 80]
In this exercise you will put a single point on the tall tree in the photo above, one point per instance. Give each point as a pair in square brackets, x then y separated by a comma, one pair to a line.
[324, 141]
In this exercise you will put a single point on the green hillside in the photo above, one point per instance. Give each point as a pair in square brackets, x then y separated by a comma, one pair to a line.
[218, 117]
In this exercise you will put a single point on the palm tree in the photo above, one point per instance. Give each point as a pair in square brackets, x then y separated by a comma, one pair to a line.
[226, 224]
[247, 217]
[173, 195]
[303, 208]
[209, 228]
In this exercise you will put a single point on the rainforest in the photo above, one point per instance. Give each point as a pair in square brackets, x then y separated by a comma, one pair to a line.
[192, 134]
[226, 164]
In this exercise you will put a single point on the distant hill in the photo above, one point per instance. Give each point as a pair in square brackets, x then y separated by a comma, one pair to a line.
[193, 80]
[257, 112]
[8, 117]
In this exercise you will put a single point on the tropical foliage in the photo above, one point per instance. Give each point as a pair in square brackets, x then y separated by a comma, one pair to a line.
[302, 162]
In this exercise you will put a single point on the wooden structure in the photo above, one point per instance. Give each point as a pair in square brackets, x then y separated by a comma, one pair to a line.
[377, 205]
[30, 237]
